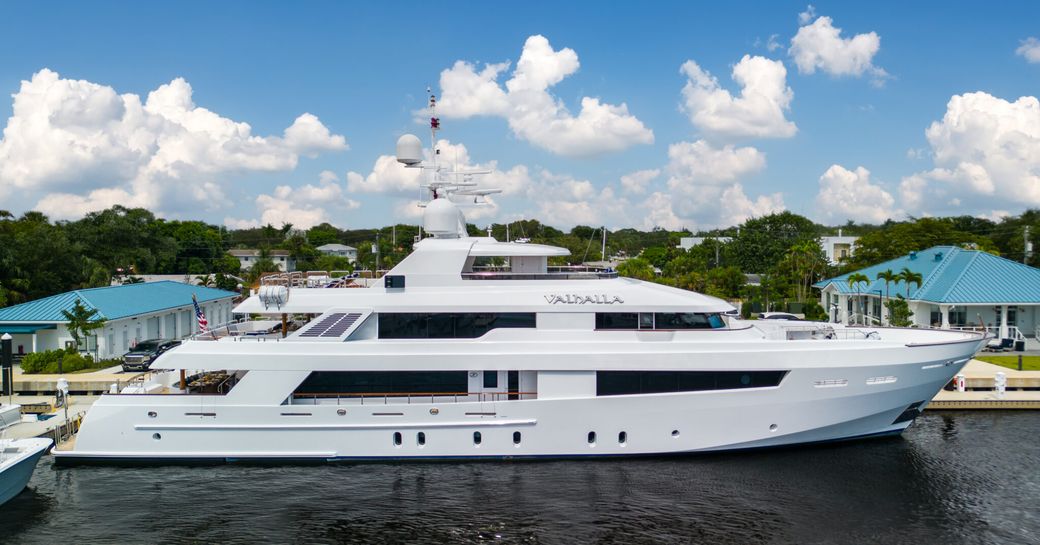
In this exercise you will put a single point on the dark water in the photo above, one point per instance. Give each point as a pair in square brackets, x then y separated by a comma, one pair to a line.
[952, 478]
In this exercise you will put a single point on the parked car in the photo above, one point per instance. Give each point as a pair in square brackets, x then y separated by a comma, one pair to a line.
[777, 316]
[141, 356]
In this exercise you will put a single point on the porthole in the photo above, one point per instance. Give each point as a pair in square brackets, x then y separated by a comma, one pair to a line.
[156, 436]
[773, 427]
[476, 438]
[592, 438]
[420, 438]
[152, 414]
[675, 433]
[341, 412]
[516, 438]
[397, 438]
[745, 379]
[435, 411]
[622, 438]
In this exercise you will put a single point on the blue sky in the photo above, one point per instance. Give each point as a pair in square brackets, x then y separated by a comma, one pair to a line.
[848, 142]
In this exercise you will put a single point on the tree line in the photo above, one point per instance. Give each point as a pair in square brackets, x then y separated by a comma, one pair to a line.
[40, 257]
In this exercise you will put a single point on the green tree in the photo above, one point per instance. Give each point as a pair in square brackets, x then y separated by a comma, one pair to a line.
[763, 242]
[806, 262]
[899, 313]
[910, 277]
[858, 281]
[636, 267]
[888, 276]
[80, 322]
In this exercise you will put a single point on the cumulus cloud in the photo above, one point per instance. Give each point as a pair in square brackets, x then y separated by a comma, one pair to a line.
[304, 206]
[91, 147]
[637, 182]
[850, 195]
[1029, 50]
[699, 163]
[807, 16]
[533, 113]
[986, 151]
[758, 111]
[704, 185]
[819, 45]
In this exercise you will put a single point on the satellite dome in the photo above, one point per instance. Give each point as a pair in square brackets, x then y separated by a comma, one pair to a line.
[409, 150]
[443, 219]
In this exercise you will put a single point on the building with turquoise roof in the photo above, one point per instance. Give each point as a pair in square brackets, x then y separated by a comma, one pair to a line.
[959, 288]
[133, 312]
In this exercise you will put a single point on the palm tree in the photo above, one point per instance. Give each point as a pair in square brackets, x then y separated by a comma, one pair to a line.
[854, 280]
[910, 277]
[888, 276]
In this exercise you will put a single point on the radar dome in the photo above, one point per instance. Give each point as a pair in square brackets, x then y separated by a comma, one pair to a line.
[409, 150]
[443, 219]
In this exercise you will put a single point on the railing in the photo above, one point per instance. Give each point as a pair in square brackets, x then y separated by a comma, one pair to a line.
[1013, 331]
[794, 333]
[386, 398]
[576, 272]
[314, 279]
[864, 319]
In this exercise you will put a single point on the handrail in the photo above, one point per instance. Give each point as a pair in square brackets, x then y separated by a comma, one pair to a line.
[577, 275]
[1013, 331]
[409, 396]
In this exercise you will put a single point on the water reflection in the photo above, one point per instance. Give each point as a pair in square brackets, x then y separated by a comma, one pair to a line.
[952, 478]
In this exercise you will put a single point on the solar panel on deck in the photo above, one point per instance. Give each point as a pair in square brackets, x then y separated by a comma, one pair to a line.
[318, 329]
[341, 326]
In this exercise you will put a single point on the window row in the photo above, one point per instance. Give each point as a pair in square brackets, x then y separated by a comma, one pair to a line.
[384, 382]
[612, 383]
[658, 320]
[420, 438]
[449, 325]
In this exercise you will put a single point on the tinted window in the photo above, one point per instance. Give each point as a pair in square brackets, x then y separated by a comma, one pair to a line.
[449, 325]
[491, 379]
[389, 382]
[656, 382]
[658, 320]
[617, 320]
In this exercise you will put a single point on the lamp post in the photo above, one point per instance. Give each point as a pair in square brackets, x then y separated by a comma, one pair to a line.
[7, 364]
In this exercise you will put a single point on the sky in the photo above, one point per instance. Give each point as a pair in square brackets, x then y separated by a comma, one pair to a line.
[624, 114]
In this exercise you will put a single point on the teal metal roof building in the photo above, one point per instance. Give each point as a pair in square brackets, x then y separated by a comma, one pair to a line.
[132, 311]
[959, 288]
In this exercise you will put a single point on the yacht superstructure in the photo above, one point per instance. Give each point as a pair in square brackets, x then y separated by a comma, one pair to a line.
[449, 357]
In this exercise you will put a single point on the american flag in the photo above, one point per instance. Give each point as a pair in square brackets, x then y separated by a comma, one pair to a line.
[199, 315]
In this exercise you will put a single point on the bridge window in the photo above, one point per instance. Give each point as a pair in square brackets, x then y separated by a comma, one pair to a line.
[449, 325]
[658, 320]
[610, 383]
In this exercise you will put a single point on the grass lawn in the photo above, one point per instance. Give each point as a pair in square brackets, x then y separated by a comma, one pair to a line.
[1029, 363]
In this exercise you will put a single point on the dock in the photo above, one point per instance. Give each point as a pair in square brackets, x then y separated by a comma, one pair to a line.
[1023, 390]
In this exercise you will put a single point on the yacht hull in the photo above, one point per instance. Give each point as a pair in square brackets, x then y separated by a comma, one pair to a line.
[810, 405]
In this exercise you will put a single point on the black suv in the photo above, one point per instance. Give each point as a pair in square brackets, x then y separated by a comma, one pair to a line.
[141, 356]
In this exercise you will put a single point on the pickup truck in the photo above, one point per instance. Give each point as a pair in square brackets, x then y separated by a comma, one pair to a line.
[141, 356]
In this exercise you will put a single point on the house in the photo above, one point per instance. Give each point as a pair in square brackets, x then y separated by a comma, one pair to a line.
[248, 257]
[959, 288]
[339, 250]
[838, 248]
[133, 312]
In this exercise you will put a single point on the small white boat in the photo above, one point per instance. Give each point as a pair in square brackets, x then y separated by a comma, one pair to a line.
[18, 459]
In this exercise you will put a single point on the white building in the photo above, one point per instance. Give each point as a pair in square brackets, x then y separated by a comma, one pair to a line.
[282, 258]
[339, 250]
[838, 248]
[133, 312]
[959, 288]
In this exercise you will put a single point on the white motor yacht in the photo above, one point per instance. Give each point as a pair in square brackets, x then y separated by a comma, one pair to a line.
[472, 348]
